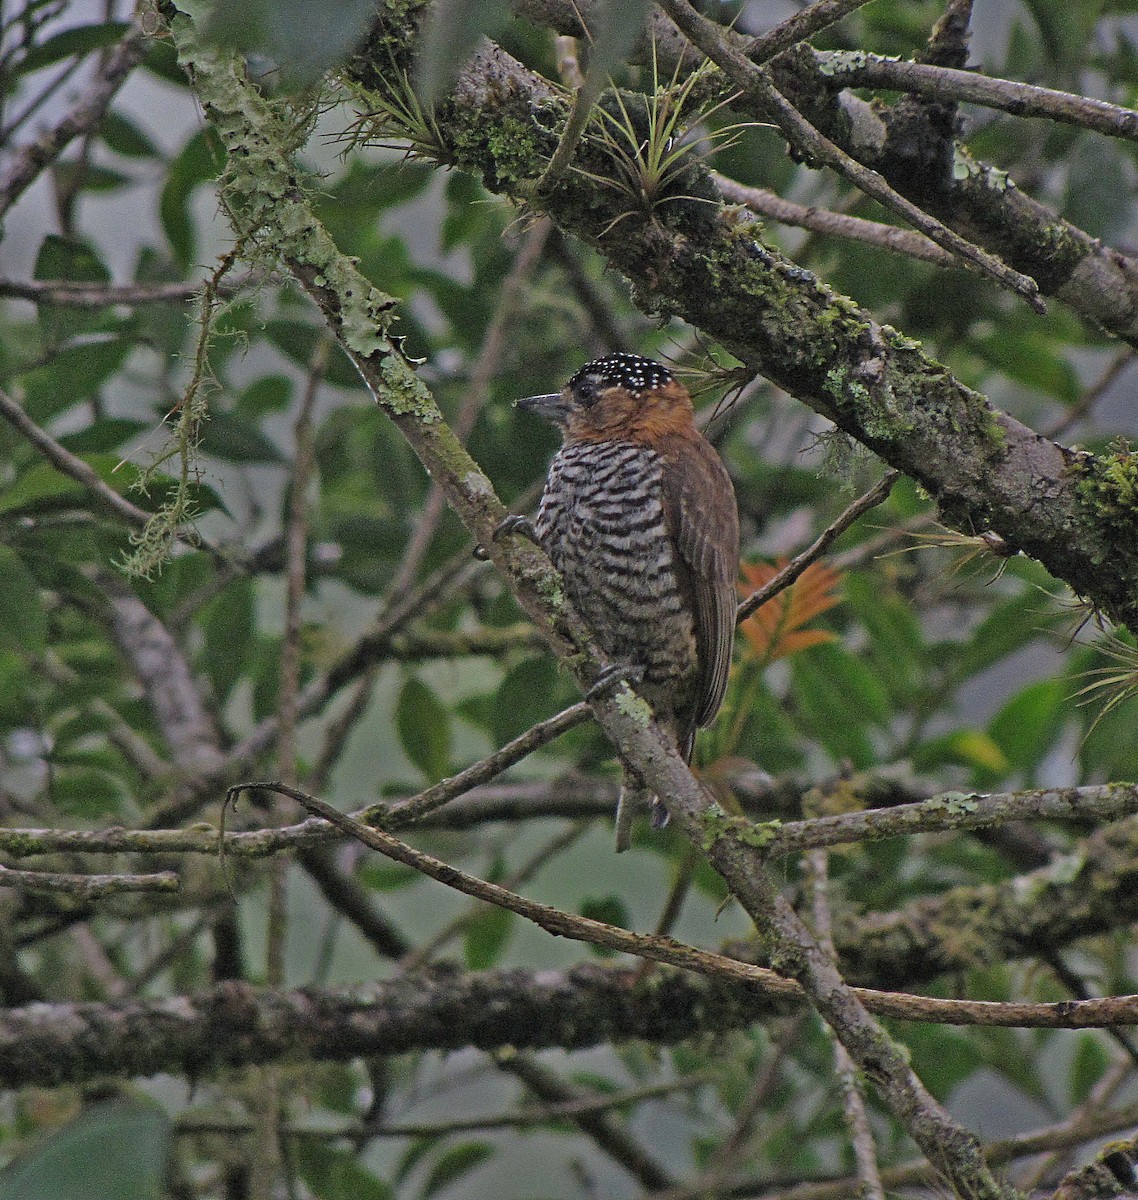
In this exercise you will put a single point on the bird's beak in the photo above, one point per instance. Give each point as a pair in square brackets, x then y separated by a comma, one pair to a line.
[551, 406]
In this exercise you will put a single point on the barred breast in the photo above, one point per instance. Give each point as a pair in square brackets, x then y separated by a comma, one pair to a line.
[602, 522]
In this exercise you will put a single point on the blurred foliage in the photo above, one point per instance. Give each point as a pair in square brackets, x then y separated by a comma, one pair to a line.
[944, 661]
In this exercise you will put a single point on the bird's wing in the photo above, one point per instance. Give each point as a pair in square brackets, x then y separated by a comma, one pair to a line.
[699, 503]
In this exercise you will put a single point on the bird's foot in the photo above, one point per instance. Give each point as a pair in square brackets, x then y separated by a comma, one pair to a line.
[515, 523]
[611, 676]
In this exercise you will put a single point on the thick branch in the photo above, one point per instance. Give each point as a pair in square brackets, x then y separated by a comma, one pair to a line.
[692, 260]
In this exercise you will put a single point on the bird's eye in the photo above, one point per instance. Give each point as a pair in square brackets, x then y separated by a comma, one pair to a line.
[587, 391]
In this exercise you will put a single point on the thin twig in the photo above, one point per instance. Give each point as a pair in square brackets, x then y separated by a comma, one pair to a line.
[821, 220]
[861, 70]
[816, 147]
[421, 955]
[952, 810]
[802, 25]
[407, 812]
[945, 811]
[68, 293]
[478, 387]
[1069, 1133]
[721, 1164]
[793, 569]
[27, 165]
[1069, 1014]
[190, 1124]
[853, 1102]
[87, 887]
[72, 465]
[1092, 395]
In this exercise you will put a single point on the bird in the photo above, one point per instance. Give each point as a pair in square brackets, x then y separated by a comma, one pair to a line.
[639, 516]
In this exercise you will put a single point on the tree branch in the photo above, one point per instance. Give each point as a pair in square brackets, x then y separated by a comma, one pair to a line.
[863, 70]
[25, 167]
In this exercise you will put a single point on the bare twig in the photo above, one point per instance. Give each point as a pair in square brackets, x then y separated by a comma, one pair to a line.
[71, 465]
[862, 70]
[1067, 1134]
[408, 811]
[191, 1124]
[793, 569]
[606, 1130]
[821, 220]
[1093, 394]
[87, 887]
[713, 1180]
[853, 1102]
[1070, 1014]
[953, 810]
[1104, 802]
[816, 147]
[802, 25]
[485, 368]
[421, 955]
[67, 293]
[26, 166]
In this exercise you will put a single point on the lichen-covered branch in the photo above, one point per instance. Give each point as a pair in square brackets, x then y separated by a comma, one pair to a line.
[710, 266]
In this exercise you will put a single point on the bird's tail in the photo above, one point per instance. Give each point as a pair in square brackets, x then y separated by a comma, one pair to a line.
[634, 799]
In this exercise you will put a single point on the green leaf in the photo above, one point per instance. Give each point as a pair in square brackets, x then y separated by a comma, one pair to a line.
[968, 747]
[941, 1057]
[1005, 629]
[1033, 358]
[75, 372]
[72, 176]
[424, 729]
[297, 341]
[454, 1163]
[304, 37]
[73, 260]
[1025, 727]
[23, 621]
[269, 394]
[897, 646]
[451, 33]
[103, 436]
[114, 1151]
[839, 695]
[69, 258]
[234, 438]
[87, 792]
[199, 160]
[80, 39]
[230, 629]
[525, 696]
[486, 937]
[611, 910]
[412, 1156]
[335, 1174]
[124, 137]
[386, 877]
[1090, 1063]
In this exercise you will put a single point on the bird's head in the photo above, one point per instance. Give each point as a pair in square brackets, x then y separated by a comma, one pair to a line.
[620, 396]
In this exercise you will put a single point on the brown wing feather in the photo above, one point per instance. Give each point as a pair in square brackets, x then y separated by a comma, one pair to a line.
[699, 502]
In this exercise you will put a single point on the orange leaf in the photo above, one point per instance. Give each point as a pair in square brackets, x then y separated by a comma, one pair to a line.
[775, 629]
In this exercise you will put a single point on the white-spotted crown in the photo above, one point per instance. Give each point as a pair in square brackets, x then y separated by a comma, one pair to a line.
[629, 371]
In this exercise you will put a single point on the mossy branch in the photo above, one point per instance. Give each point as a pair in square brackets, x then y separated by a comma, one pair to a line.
[710, 266]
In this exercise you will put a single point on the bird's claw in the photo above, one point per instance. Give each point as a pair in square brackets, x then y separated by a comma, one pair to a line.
[611, 676]
[515, 523]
